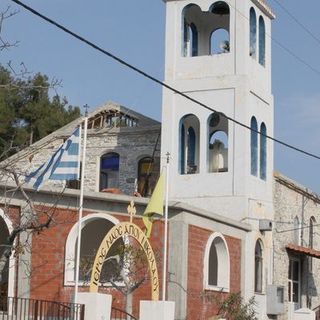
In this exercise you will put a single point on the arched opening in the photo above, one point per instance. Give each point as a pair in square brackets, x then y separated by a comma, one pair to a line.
[254, 146]
[189, 144]
[262, 42]
[91, 236]
[296, 230]
[190, 32]
[263, 151]
[218, 143]
[94, 229]
[253, 33]
[4, 277]
[217, 264]
[205, 33]
[312, 222]
[220, 34]
[146, 176]
[219, 41]
[109, 170]
[258, 267]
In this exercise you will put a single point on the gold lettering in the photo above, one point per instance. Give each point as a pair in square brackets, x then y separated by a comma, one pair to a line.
[125, 228]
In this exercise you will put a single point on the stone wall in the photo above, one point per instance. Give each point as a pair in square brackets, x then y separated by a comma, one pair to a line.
[290, 201]
[132, 144]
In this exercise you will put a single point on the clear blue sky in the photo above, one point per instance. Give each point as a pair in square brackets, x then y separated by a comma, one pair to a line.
[134, 30]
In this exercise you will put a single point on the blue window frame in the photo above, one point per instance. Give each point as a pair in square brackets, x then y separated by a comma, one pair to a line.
[253, 33]
[191, 147]
[189, 144]
[254, 147]
[262, 42]
[109, 170]
[263, 152]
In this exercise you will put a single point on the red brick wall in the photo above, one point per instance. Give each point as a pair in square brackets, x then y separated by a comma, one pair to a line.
[201, 304]
[48, 254]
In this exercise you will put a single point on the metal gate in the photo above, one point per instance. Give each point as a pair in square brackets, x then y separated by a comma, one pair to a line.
[31, 309]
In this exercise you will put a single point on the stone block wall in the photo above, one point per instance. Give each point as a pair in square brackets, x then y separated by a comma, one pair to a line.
[290, 201]
[132, 144]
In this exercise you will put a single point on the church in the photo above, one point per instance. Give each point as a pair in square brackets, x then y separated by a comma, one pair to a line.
[235, 225]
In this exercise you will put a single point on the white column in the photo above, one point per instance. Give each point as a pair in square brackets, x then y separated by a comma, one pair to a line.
[97, 305]
[157, 310]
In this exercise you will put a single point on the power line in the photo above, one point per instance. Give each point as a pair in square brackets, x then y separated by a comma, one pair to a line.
[290, 52]
[306, 29]
[152, 78]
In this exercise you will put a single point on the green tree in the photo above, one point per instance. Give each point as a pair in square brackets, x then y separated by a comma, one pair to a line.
[27, 113]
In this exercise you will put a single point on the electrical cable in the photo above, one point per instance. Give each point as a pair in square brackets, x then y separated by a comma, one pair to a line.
[152, 78]
[297, 21]
[290, 52]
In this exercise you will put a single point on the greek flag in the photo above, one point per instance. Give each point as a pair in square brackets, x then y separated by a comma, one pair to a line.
[63, 165]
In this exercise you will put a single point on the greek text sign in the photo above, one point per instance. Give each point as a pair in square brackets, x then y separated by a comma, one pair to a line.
[118, 231]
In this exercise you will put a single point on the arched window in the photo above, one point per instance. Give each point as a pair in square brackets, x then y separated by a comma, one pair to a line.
[253, 33]
[94, 229]
[219, 41]
[262, 42]
[218, 143]
[311, 231]
[220, 34]
[254, 146]
[296, 230]
[205, 33]
[217, 264]
[258, 267]
[190, 32]
[109, 170]
[189, 144]
[263, 151]
[146, 176]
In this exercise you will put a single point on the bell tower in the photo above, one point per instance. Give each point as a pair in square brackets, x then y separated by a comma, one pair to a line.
[219, 53]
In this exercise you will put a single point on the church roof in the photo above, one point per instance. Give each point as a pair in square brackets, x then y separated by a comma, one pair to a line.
[110, 117]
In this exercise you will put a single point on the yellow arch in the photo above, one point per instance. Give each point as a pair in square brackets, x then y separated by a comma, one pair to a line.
[118, 231]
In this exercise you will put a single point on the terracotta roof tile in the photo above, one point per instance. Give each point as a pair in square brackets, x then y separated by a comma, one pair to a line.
[303, 250]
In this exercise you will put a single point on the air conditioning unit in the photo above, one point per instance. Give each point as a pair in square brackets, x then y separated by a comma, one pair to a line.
[265, 225]
[275, 300]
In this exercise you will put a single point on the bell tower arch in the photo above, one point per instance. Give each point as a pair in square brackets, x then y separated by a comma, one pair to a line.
[218, 53]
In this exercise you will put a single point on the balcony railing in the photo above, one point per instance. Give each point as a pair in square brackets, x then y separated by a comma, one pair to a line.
[31, 309]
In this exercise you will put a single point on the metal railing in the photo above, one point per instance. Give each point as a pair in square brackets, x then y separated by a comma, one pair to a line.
[117, 314]
[31, 309]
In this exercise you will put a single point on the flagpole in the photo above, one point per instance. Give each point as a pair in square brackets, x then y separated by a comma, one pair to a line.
[164, 277]
[77, 265]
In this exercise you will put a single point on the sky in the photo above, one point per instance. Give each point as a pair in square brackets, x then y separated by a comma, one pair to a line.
[134, 31]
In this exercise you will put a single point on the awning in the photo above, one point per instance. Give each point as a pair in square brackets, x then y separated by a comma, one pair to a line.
[303, 250]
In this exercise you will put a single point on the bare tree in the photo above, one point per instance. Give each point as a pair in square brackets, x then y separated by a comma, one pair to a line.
[4, 15]
[33, 218]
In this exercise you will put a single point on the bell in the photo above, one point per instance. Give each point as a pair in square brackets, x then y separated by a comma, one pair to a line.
[214, 120]
[220, 8]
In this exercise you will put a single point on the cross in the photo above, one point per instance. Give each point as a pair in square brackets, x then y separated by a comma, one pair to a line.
[86, 107]
[131, 210]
